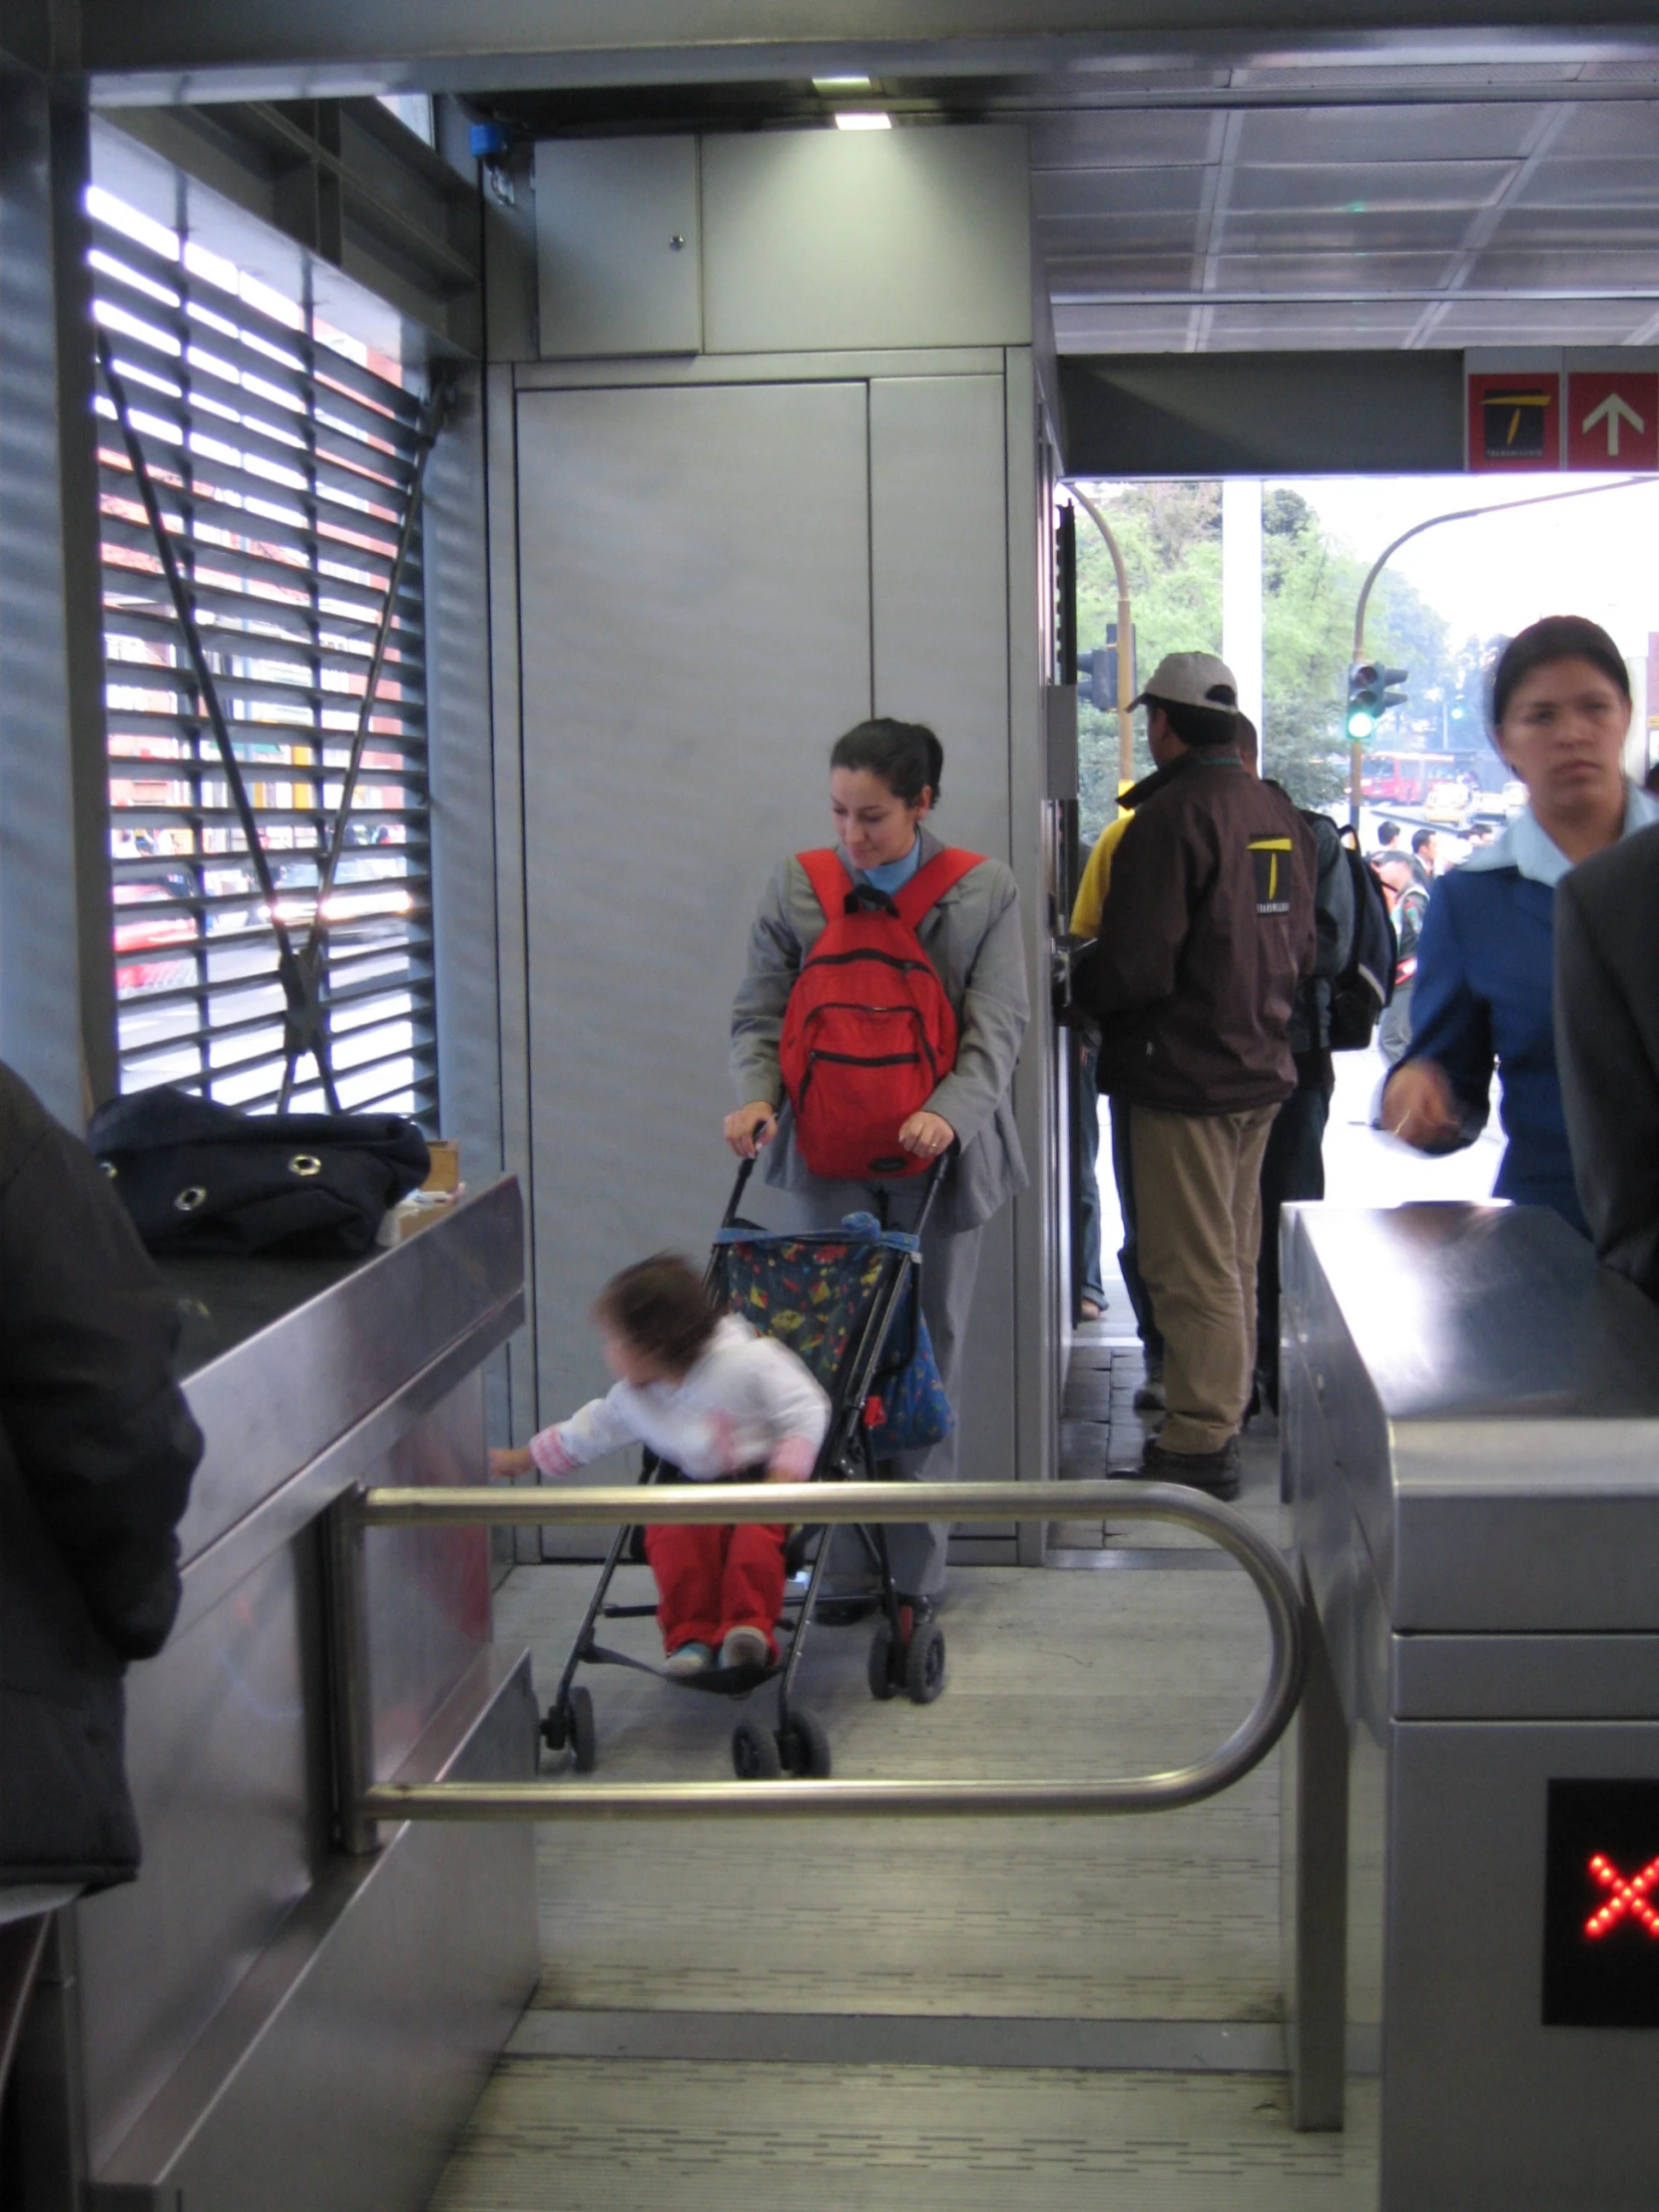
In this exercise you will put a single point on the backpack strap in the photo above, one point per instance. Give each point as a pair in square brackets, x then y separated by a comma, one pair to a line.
[930, 882]
[828, 876]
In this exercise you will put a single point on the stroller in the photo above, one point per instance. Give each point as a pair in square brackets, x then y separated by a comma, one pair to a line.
[848, 1302]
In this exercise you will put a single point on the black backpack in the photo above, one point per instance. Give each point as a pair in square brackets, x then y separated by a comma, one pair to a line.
[198, 1177]
[1366, 983]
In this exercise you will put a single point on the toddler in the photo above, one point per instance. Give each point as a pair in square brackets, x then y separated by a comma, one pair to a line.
[716, 1401]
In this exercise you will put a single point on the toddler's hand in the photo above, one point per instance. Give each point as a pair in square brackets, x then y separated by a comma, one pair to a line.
[511, 1465]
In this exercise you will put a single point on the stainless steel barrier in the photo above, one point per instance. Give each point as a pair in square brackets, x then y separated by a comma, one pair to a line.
[364, 1804]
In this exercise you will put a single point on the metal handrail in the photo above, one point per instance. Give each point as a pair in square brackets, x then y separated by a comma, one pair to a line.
[826, 1503]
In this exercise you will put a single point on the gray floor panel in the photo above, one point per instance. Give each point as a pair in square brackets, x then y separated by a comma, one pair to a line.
[1051, 2015]
[622, 2136]
[901, 2039]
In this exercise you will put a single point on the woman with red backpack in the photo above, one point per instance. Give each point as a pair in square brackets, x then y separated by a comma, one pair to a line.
[874, 1034]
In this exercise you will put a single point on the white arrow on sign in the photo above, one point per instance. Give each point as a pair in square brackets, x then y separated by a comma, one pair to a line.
[1612, 411]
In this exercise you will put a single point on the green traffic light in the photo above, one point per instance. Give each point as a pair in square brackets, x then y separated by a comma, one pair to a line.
[1362, 725]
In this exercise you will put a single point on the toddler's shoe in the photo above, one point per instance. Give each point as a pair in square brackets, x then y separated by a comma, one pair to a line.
[690, 1659]
[744, 1647]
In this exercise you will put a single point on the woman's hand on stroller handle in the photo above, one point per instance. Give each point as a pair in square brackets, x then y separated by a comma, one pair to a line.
[751, 1127]
[926, 1136]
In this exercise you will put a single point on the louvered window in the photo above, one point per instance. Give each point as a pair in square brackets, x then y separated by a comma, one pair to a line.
[282, 456]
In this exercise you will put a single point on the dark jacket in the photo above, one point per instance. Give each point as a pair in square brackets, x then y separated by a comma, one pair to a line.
[1208, 926]
[1333, 936]
[1607, 1047]
[97, 1450]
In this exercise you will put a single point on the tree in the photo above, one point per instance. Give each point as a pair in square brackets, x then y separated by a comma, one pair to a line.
[1170, 536]
[1171, 540]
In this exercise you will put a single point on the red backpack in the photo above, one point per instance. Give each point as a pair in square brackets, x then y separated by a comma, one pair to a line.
[869, 1032]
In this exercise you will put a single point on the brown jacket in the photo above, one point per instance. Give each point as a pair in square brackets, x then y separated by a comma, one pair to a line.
[1208, 927]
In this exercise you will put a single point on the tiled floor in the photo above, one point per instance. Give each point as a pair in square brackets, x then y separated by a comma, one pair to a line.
[841, 2014]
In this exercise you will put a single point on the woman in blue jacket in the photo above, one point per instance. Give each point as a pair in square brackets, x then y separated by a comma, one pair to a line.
[1560, 714]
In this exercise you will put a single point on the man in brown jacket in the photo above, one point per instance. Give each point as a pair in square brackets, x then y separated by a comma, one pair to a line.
[1208, 927]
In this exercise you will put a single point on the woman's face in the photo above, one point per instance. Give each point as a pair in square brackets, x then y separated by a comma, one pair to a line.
[1563, 734]
[873, 823]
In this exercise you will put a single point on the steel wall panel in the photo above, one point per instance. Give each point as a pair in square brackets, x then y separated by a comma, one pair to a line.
[695, 607]
[939, 594]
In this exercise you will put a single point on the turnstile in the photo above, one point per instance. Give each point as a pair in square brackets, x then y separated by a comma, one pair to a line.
[1471, 1446]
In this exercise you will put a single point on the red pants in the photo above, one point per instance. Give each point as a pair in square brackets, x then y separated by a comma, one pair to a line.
[711, 1580]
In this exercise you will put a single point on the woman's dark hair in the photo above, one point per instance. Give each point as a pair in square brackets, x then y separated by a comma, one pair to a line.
[1556, 638]
[904, 755]
[663, 1307]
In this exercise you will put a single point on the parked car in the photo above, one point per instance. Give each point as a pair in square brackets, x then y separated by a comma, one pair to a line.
[1447, 804]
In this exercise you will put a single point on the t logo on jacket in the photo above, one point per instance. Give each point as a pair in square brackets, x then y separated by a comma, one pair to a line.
[1271, 858]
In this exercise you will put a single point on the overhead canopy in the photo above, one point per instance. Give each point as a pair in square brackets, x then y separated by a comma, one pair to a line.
[1208, 174]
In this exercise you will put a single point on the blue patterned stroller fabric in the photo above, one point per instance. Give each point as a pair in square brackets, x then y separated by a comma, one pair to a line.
[816, 1294]
[915, 1409]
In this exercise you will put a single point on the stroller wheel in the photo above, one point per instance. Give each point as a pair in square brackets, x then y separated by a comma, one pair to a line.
[883, 1684]
[755, 1755]
[583, 1736]
[925, 1663]
[806, 1745]
[553, 1728]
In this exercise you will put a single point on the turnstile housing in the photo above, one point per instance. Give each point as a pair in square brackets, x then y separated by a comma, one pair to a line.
[1471, 1450]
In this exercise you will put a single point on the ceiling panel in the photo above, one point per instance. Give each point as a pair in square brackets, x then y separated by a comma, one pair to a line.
[1122, 139]
[1108, 192]
[1500, 270]
[1122, 272]
[1339, 137]
[1577, 230]
[1540, 322]
[1342, 230]
[1064, 241]
[1632, 181]
[1610, 131]
[1333, 204]
[1334, 272]
[1267, 330]
[1366, 186]
[1120, 330]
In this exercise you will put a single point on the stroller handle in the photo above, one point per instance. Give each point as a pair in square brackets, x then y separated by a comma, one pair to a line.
[935, 1176]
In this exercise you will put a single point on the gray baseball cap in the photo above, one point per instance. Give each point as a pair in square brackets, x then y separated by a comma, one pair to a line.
[1192, 680]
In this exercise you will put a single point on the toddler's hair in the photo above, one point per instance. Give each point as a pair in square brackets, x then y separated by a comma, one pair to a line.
[663, 1309]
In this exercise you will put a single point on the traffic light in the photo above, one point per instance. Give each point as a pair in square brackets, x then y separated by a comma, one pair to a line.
[1370, 697]
[1097, 670]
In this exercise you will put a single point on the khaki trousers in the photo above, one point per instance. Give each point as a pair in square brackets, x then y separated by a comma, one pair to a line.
[1198, 1206]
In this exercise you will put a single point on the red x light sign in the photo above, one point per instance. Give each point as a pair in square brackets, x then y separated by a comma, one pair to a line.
[1601, 1904]
[1627, 1898]
[1612, 419]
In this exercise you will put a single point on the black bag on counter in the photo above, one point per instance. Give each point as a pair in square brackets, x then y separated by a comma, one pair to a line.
[198, 1177]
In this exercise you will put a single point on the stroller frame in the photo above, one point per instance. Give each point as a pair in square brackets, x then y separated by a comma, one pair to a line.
[913, 1661]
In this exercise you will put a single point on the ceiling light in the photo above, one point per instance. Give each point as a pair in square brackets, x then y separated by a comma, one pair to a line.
[862, 119]
[830, 85]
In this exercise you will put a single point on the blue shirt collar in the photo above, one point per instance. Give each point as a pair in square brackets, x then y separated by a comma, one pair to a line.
[895, 873]
[1530, 850]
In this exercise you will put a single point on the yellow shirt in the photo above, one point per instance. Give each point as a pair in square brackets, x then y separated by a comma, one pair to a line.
[1097, 876]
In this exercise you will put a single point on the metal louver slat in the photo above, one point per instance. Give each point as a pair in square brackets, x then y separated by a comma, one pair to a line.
[282, 471]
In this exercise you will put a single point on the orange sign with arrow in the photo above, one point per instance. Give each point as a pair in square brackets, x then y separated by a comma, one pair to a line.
[1612, 419]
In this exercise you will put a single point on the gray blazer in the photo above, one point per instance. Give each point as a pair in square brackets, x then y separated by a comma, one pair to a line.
[972, 937]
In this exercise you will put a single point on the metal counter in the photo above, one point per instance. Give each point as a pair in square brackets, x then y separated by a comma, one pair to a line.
[262, 2021]
[1472, 1452]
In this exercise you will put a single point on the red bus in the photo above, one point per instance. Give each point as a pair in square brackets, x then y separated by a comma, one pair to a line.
[1403, 779]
